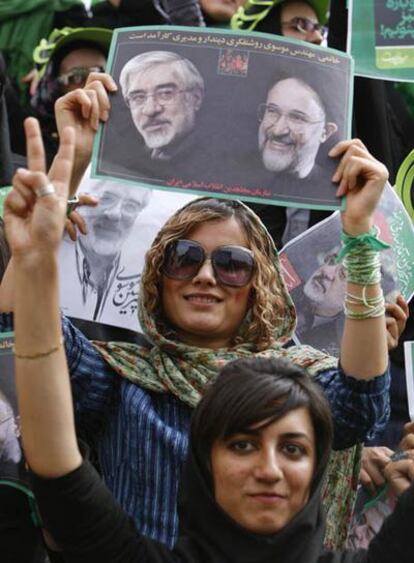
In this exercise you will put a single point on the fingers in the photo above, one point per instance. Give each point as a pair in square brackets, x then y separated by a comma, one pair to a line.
[36, 161]
[61, 169]
[408, 428]
[75, 221]
[397, 315]
[399, 474]
[105, 79]
[88, 199]
[374, 461]
[15, 204]
[392, 333]
[355, 161]
[71, 229]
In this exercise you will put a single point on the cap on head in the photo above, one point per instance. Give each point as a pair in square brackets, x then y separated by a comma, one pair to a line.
[254, 11]
[59, 42]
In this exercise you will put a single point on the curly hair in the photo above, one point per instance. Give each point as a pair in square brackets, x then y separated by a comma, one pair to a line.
[267, 303]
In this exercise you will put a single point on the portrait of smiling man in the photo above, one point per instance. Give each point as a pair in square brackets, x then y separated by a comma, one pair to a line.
[98, 254]
[293, 125]
[164, 92]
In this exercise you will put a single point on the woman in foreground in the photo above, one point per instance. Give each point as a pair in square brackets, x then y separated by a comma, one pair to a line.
[201, 306]
[260, 441]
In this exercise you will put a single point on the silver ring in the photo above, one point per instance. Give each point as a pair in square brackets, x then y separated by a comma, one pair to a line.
[72, 204]
[47, 189]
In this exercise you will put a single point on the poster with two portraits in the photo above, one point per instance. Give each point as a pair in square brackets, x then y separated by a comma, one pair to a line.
[199, 112]
[236, 115]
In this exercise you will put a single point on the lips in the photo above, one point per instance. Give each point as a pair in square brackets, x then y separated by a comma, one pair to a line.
[202, 298]
[268, 498]
[155, 124]
[279, 142]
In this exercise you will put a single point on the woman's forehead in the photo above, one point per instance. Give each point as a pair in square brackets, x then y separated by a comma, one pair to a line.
[219, 232]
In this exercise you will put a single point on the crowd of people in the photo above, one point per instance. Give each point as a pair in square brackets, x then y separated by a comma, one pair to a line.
[211, 436]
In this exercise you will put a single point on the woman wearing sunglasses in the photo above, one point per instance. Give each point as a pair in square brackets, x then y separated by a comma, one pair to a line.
[212, 291]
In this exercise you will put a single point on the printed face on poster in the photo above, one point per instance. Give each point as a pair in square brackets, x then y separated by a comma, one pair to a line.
[381, 38]
[317, 281]
[233, 115]
[100, 273]
[12, 465]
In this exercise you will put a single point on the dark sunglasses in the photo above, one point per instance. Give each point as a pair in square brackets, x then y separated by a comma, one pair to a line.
[78, 76]
[305, 25]
[232, 265]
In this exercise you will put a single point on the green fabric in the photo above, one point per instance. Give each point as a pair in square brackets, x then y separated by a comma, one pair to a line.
[171, 366]
[23, 23]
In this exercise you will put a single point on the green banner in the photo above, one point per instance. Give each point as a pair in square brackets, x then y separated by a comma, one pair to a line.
[3, 194]
[382, 38]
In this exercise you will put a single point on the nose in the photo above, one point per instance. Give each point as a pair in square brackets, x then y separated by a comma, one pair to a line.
[205, 274]
[151, 106]
[113, 211]
[268, 468]
[314, 37]
[280, 126]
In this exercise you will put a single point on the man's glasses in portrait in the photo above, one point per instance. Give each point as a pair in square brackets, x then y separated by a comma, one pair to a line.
[271, 114]
[161, 97]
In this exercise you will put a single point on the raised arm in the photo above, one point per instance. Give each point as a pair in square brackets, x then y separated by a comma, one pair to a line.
[34, 216]
[83, 109]
[361, 178]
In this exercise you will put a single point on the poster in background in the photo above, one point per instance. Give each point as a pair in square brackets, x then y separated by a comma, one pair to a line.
[213, 146]
[317, 282]
[409, 375]
[381, 38]
[100, 273]
[12, 467]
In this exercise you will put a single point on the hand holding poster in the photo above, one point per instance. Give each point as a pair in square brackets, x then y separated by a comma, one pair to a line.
[245, 116]
[381, 37]
[317, 282]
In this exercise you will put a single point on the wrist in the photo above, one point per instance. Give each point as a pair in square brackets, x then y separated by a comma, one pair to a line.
[31, 262]
[355, 228]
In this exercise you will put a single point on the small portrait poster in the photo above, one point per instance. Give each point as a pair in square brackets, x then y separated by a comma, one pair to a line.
[12, 465]
[409, 375]
[381, 38]
[317, 281]
[100, 273]
[214, 112]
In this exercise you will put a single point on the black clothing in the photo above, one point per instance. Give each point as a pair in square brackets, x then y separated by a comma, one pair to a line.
[89, 525]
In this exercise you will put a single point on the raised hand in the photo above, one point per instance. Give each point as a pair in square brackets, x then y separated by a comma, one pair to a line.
[396, 318]
[83, 109]
[361, 179]
[35, 222]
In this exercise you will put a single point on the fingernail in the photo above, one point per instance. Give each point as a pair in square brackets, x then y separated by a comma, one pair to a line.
[105, 115]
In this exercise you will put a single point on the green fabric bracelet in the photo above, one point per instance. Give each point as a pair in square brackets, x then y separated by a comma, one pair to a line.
[368, 240]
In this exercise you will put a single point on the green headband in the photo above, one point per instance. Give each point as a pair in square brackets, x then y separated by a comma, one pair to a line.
[254, 11]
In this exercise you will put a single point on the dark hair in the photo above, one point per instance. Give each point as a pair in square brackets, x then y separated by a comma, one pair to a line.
[249, 391]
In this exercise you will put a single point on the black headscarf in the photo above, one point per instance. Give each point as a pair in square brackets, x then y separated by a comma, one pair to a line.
[208, 534]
